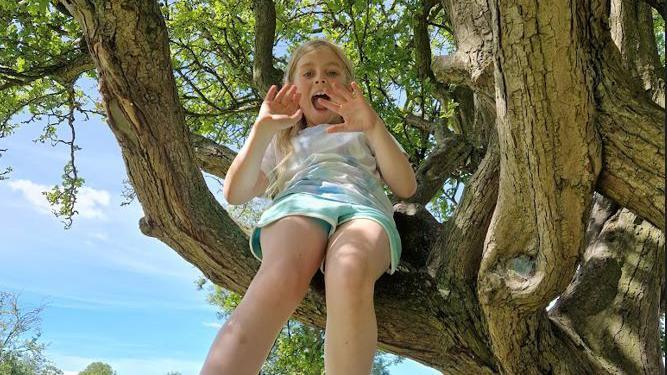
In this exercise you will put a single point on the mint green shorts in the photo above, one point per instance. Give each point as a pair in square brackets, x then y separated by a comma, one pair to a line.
[329, 214]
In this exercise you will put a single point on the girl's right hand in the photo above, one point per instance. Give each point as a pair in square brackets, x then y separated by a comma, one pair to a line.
[279, 111]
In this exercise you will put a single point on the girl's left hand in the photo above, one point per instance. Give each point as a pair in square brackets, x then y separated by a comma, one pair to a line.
[357, 114]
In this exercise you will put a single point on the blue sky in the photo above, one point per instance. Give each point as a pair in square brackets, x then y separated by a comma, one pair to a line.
[111, 293]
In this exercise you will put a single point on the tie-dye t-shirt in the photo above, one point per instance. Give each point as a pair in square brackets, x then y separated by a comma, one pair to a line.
[338, 166]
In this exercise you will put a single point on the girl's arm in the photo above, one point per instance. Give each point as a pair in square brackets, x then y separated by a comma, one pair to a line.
[394, 166]
[244, 178]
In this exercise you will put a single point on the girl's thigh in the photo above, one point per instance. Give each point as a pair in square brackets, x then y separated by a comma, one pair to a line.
[360, 249]
[293, 243]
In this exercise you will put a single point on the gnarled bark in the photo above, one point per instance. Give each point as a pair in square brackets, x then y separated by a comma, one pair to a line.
[612, 305]
[548, 170]
[632, 31]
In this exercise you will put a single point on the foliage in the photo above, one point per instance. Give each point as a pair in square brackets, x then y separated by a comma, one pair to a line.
[298, 349]
[37, 41]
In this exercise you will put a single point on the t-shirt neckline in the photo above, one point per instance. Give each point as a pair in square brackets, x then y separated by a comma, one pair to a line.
[307, 128]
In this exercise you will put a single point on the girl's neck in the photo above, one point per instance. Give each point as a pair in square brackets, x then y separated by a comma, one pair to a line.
[336, 120]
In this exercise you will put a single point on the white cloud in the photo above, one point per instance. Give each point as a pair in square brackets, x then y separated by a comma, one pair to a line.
[33, 194]
[89, 201]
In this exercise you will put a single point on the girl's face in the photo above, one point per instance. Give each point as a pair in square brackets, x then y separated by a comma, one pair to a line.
[314, 72]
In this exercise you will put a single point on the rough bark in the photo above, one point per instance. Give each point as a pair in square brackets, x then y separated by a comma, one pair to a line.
[458, 252]
[551, 157]
[264, 74]
[631, 127]
[449, 157]
[472, 63]
[612, 305]
[629, 124]
[632, 31]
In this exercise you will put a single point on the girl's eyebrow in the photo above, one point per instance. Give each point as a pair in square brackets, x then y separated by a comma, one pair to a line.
[327, 64]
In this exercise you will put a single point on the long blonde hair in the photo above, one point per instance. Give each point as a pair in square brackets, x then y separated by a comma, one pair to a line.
[284, 137]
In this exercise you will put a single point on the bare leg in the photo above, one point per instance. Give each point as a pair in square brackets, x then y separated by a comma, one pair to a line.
[289, 263]
[357, 256]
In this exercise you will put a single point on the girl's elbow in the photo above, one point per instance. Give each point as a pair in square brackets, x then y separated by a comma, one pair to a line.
[408, 191]
[229, 197]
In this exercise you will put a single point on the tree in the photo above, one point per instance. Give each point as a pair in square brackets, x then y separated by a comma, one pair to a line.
[550, 116]
[21, 352]
[98, 368]
[298, 349]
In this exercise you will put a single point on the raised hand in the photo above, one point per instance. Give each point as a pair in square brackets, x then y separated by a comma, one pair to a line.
[357, 114]
[279, 111]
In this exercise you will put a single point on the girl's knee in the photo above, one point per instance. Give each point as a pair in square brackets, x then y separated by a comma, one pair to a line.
[348, 273]
[283, 280]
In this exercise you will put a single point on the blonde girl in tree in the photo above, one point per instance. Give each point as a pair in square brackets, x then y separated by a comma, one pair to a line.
[323, 156]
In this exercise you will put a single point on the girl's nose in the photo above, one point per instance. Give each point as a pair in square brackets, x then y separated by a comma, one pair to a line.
[320, 81]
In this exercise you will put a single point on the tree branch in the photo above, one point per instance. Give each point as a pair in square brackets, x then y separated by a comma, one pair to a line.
[438, 166]
[62, 72]
[631, 26]
[631, 128]
[263, 73]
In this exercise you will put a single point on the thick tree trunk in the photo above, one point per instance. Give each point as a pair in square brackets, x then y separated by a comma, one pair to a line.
[470, 295]
[551, 157]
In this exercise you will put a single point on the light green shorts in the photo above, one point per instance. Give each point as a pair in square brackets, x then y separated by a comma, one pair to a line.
[330, 214]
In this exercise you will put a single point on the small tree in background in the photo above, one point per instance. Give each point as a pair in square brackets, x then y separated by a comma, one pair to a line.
[21, 352]
[98, 368]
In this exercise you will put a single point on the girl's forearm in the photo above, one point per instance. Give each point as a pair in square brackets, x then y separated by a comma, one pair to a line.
[393, 164]
[243, 173]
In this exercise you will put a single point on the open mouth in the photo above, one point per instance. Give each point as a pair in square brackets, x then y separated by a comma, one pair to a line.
[317, 105]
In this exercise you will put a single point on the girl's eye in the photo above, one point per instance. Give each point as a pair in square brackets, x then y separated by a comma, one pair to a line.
[333, 74]
[307, 74]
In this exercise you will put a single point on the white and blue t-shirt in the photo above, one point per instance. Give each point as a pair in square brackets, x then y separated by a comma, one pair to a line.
[337, 166]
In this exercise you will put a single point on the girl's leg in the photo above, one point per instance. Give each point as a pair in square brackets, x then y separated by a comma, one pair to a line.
[357, 255]
[289, 262]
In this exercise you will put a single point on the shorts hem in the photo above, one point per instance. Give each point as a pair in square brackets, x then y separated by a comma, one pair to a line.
[291, 213]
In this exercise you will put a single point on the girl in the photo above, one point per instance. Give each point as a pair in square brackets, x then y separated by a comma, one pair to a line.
[322, 153]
